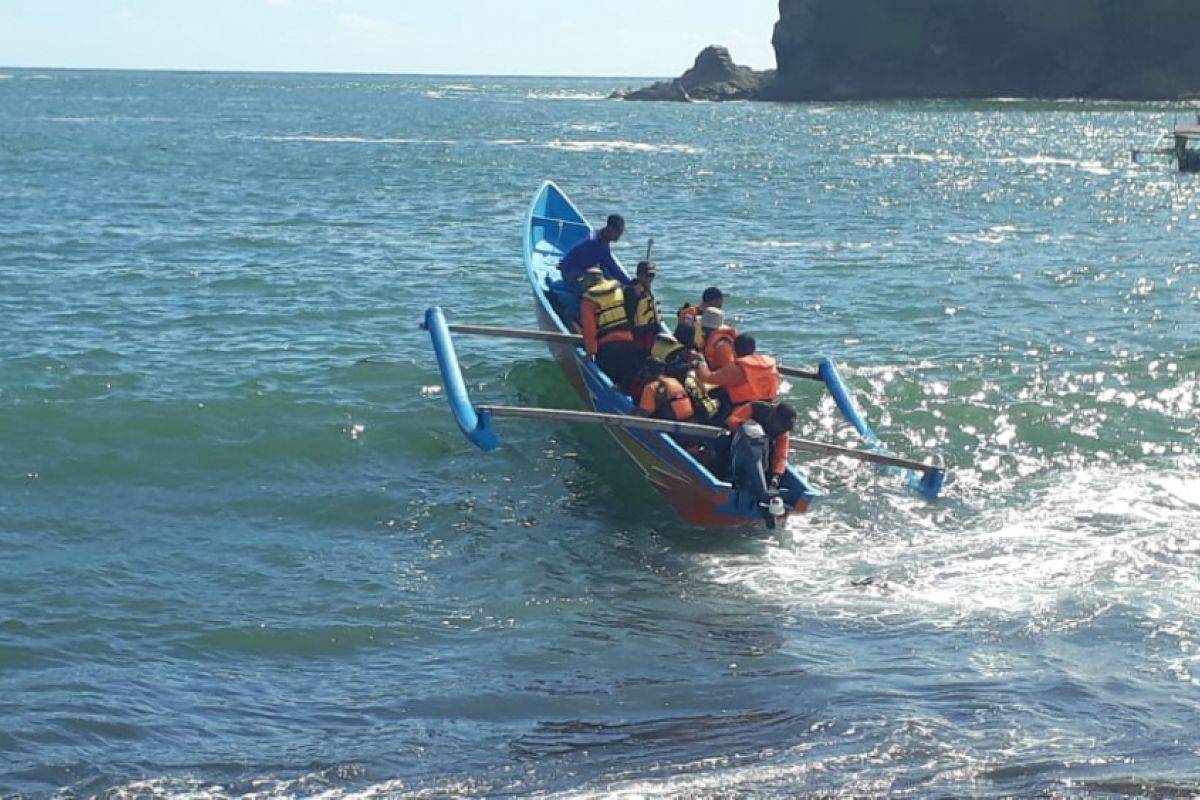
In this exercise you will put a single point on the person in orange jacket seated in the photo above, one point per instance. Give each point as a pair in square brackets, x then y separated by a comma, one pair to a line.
[607, 334]
[777, 421]
[687, 326]
[664, 397]
[718, 339]
[751, 376]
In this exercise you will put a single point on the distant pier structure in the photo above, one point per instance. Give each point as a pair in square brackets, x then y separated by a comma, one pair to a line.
[1181, 143]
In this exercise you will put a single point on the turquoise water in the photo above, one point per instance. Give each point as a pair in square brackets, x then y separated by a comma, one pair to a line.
[245, 551]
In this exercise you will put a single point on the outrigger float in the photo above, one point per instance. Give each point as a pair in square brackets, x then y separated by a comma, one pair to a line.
[554, 225]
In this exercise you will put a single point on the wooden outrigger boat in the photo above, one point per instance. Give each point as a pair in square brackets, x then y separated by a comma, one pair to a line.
[552, 227]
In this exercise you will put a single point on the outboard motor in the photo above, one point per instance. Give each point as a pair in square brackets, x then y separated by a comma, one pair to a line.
[750, 452]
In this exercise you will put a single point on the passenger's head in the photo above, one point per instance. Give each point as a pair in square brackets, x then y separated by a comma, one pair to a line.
[713, 297]
[744, 345]
[592, 276]
[652, 368]
[785, 416]
[614, 226]
[712, 318]
[646, 270]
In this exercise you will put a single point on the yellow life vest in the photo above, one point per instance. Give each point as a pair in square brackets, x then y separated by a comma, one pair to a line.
[610, 307]
[665, 347]
[704, 404]
[645, 312]
[672, 354]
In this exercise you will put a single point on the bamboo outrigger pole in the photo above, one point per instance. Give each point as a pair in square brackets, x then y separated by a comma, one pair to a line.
[577, 340]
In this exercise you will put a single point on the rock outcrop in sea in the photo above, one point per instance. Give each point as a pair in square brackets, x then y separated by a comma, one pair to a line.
[887, 49]
[714, 76]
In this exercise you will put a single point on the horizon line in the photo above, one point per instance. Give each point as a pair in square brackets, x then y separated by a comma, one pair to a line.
[263, 71]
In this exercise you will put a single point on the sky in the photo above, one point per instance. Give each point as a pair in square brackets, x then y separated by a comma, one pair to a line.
[640, 38]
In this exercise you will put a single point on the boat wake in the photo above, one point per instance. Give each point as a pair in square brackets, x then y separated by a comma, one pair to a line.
[1085, 543]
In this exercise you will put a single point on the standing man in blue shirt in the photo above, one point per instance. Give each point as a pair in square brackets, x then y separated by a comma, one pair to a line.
[593, 251]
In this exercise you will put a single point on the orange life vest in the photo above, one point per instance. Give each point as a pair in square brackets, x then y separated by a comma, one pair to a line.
[671, 400]
[721, 334]
[762, 380]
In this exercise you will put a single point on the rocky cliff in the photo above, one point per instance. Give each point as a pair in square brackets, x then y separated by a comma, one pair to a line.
[852, 49]
[714, 76]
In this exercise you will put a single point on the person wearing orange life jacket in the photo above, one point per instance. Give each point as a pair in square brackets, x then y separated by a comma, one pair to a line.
[687, 327]
[718, 339]
[750, 377]
[663, 397]
[674, 355]
[607, 334]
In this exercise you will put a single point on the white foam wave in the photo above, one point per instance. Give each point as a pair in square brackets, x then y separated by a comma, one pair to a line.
[316, 139]
[794, 772]
[815, 245]
[76, 120]
[1094, 167]
[617, 145]
[775, 244]
[565, 95]
[316, 786]
[1093, 539]
[108, 120]
[445, 89]
[925, 158]
[380, 140]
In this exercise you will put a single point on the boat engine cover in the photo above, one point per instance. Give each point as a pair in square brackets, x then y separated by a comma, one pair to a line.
[749, 455]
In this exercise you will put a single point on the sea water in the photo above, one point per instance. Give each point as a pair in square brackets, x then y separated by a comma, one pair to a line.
[244, 551]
